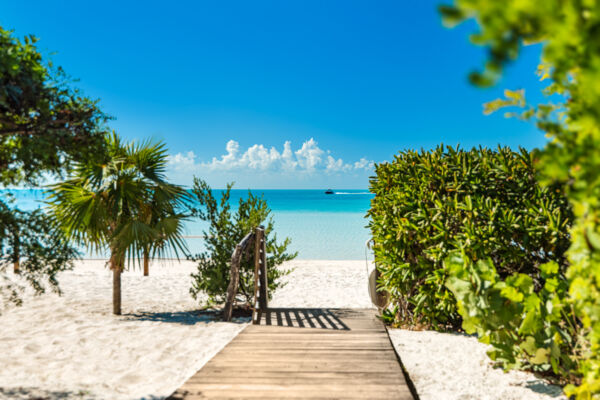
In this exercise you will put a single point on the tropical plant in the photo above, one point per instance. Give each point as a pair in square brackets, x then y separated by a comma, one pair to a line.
[568, 33]
[226, 230]
[104, 205]
[44, 122]
[486, 202]
[527, 322]
[45, 125]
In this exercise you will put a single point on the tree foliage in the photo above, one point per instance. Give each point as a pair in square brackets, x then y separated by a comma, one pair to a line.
[226, 229]
[568, 31]
[45, 124]
[487, 203]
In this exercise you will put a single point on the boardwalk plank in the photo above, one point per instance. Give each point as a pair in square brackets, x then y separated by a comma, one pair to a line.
[304, 354]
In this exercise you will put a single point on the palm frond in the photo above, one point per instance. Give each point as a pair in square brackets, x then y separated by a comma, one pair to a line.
[122, 201]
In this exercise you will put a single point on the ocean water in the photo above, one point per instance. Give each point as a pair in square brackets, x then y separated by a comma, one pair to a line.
[321, 226]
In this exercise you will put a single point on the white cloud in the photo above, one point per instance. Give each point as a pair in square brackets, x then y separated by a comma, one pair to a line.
[309, 155]
[288, 162]
[363, 163]
[182, 162]
[309, 158]
[227, 160]
[338, 165]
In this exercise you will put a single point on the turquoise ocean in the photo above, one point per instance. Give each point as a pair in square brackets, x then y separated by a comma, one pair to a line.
[321, 226]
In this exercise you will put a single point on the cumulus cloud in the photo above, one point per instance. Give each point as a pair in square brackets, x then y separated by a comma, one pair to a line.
[309, 158]
[182, 161]
[338, 165]
[363, 163]
[309, 155]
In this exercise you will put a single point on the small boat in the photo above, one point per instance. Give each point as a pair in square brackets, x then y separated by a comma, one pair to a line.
[329, 191]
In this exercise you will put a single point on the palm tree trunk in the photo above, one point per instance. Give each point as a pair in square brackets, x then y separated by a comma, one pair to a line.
[146, 262]
[116, 267]
[16, 253]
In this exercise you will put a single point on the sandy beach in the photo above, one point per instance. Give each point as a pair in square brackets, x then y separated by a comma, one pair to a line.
[455, 367]
[72, 347]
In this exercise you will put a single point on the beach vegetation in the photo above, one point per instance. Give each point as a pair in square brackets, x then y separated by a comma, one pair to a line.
[567, 34]
[471, 240]
[105, 204]
[527, 322]
[226, 228]
[485, 202]
[46, 124]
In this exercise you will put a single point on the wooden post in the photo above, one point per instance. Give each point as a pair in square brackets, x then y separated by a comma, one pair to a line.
[146, 262]
[263, 299]
[234, 275]
[259, 234]
[234, 279]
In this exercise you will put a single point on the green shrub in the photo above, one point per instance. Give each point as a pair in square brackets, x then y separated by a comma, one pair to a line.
[485, 202]
[528, 327]
[226, 230]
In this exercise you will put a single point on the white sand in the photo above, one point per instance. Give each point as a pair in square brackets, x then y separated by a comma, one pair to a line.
[334, 284]
[455, 367]
[72, 347]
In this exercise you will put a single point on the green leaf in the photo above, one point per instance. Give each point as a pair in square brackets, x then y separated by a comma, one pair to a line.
[541, 356]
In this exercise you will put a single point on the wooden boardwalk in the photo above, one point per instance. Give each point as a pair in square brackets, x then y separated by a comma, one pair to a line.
[304, 354]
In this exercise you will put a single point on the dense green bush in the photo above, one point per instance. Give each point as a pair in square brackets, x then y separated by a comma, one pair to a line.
[485, 202]
[225, 231]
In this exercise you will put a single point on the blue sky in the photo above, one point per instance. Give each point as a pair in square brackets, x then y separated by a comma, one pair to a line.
[227, 84]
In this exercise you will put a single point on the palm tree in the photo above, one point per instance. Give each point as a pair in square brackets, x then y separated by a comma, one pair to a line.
[105, 204]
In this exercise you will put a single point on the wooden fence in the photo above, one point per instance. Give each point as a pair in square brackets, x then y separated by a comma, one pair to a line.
[253, 244]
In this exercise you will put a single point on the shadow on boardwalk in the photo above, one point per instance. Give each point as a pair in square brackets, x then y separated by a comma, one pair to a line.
[290, 317]
[322, 318]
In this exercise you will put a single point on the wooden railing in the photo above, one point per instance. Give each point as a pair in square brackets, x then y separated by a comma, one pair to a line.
[253, 243]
